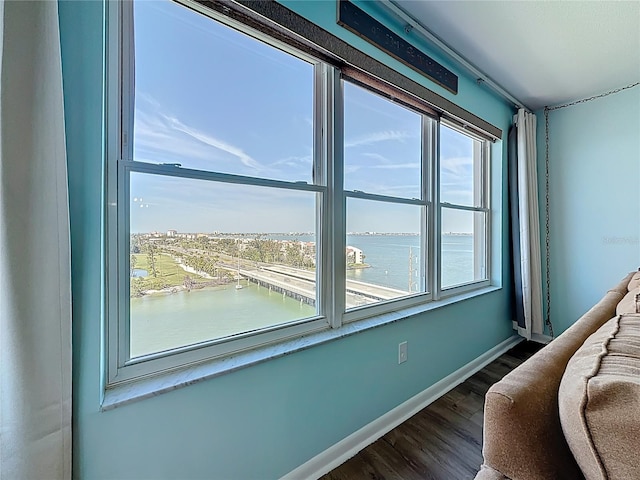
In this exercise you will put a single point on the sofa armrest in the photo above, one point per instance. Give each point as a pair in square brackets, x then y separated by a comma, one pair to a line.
[523, 437]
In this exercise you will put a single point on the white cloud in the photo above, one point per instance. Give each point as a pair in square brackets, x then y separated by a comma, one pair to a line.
[351, 169]
[213, 142]
[387, 164]
[457, 166]
[377, 156]
[375, 137]
[161, 137]
[294, 161]
[397, 166]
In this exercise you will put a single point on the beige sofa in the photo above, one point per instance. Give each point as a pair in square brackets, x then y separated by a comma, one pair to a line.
[572, 411]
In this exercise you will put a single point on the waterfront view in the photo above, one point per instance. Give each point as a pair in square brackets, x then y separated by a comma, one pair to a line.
[188, 288]
[228, 185]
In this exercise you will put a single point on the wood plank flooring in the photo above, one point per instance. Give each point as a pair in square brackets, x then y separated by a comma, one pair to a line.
[441, 442]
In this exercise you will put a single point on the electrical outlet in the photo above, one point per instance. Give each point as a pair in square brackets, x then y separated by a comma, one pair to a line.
[402, 352]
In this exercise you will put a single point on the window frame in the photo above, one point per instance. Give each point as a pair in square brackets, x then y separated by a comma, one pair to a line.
[483, 177]
[330, 216]
[428, 132]
[120, 164]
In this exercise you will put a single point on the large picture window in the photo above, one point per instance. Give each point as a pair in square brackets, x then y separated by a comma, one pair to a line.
[257, 195]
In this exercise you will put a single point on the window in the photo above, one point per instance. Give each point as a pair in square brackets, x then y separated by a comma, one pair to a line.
[464, 208]
[256, 194]
[386, 149]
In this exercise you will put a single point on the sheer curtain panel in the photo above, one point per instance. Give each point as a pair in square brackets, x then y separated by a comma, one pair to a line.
[35, 283]
[529, 285]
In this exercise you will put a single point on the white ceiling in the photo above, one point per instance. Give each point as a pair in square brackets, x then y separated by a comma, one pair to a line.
[541, 52]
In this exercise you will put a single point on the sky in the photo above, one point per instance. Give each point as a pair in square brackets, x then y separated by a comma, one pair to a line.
[210, 98]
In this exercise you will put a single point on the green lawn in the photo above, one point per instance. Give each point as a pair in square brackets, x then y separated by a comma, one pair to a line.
[170, 274]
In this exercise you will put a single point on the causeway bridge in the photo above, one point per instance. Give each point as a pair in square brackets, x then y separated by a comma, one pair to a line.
[301, 284]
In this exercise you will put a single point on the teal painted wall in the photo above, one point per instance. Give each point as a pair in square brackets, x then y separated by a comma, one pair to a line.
[263, 421]
[594, 176]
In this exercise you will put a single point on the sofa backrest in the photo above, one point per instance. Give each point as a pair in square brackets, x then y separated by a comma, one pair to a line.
[523, 437]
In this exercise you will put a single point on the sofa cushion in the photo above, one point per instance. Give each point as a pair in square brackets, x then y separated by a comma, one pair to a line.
[634, 282]
[628, 303]
[599, 401]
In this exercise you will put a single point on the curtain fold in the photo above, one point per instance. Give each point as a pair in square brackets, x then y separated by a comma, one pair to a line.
[35, 279]
[524, 188]
[514, 224]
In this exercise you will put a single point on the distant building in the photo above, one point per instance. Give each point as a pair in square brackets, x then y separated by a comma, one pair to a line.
[354, 255]
[172, 233]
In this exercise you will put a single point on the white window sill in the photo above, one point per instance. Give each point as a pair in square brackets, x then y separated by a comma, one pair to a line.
[149, 387]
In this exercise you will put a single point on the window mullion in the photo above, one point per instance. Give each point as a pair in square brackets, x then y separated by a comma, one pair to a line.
[481, 263]
[486, 162]
[320, 173]
[124, 248]
[479, 224]
[436, 228]
[127, 81]
[120, 82]
[338, 232]
[478, 175]
[426, 258]
[335, 280]
[486, 172]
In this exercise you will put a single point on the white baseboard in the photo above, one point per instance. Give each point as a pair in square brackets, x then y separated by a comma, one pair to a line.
[535, 337]
[540, 338]
[346, 448]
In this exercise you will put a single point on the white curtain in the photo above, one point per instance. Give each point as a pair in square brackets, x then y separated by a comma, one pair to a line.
[530, 265]
[35, 283]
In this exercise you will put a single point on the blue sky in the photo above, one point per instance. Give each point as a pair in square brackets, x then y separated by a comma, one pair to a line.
[247, 109]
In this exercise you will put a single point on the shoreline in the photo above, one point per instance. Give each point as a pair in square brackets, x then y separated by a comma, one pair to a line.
[213, 282]
[181, 288]
[357, 266]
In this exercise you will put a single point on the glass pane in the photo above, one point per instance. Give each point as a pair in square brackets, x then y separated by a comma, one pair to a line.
[463, 246]
[382, 145]
[210, 260]
[211, 98]
[460, 168]
[383, 251]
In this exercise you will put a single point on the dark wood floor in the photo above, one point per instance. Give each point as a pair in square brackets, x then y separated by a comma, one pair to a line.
[441, 442]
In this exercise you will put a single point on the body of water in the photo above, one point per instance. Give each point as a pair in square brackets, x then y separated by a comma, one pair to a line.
[162, 322]
[139, 273]
[389, 256]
